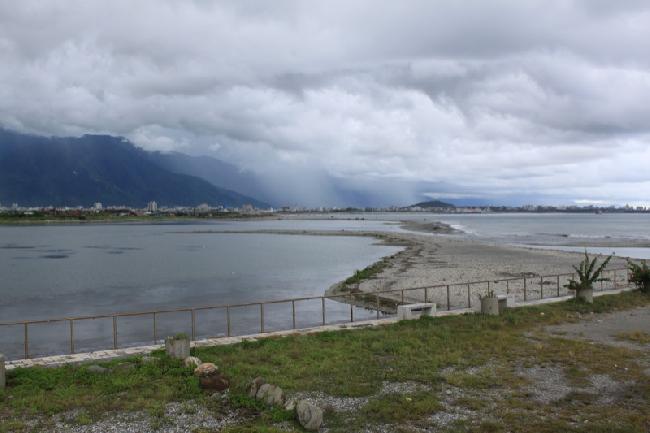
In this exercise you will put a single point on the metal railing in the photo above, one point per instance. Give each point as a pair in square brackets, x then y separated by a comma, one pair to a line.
[447, 296]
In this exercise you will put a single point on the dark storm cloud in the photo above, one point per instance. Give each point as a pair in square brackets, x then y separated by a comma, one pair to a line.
[529, 98]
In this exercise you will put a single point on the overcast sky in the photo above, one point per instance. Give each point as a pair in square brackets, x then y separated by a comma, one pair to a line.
[532, 101]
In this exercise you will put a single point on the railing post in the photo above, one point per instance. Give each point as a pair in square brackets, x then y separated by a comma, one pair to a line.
[322, 304]
[541, 287]
[507, 287]
[426, 294]
[114, 332]
[558, 286]
[261, 318]
[377, 296]
[402, 296]
[193, 314]
[26, 341]
[469, 297]
[71, 336]
[155, 331]
[525, 292]
[448, 302]
[293, 314]
[227, 320]
[351, 309]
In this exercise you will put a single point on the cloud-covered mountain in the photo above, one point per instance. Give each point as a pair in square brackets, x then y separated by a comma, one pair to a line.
[42, 171]
[538, 99]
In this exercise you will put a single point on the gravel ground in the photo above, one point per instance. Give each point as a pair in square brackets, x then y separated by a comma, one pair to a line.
[346, 404]
[604, 328]
[179, 418]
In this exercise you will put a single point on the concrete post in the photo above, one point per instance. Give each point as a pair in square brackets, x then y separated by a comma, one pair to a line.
[178, 347]
[490, 306]
[2, 372]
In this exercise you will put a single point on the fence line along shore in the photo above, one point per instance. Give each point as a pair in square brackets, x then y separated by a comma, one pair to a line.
[381, 303]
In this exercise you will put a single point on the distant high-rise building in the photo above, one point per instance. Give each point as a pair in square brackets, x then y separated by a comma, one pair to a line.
[98, 206]
[152, 206]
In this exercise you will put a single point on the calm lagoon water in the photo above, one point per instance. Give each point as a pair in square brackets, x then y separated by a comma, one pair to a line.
[78, 270]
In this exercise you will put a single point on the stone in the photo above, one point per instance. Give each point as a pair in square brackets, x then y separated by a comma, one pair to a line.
[3, 378]
[270, 394]
[290, 405]
[309, 415]
[206, 369]
[178, 347]
[490, 306]
[415, 311]
[210, 377]
[255, 386]
[97, 369]
[192, 361]
[216, 382]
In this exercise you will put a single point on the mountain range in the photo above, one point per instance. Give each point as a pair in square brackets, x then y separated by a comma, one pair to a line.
[79, 171]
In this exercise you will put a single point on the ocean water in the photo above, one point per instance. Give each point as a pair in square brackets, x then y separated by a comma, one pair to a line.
[626, 235]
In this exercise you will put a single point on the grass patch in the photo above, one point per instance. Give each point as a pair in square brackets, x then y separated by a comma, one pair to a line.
[367, 272]
[355, 363]
[398, 408]
[635, 337]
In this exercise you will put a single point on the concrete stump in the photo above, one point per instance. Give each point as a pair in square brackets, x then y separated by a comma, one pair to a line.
[586, 295]
[178, 347]
[503, 304]
[490, 306]
[3, 379]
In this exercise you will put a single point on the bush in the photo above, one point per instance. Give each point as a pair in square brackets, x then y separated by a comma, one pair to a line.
[640, 275]
[587, 276]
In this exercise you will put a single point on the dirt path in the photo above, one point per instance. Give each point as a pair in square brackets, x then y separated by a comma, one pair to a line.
[630, 329]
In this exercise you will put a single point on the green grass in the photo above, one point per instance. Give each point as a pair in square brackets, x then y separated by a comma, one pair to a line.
[355, 363]
[367, 272]
[635, 337]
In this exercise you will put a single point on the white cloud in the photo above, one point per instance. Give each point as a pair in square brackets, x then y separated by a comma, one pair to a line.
[539, 98]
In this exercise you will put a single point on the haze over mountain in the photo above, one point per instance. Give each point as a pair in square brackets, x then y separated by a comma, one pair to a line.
[42, 171]
[351, 102]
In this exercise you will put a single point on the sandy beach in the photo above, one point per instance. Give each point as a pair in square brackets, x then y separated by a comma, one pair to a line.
[435, 255]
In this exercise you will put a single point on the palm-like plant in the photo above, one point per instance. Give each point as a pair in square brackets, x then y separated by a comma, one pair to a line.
[640, 275]
[588, 274]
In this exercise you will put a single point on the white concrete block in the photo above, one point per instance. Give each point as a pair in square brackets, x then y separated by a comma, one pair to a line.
[415, 311]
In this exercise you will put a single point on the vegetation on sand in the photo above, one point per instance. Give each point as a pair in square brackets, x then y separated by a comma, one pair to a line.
[640, 275]
[588, 273]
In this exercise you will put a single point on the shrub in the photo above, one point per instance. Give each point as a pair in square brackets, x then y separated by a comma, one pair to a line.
[640, 275]
[587, 276]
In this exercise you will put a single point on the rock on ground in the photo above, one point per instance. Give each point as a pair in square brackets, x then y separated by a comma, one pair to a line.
[309, 416]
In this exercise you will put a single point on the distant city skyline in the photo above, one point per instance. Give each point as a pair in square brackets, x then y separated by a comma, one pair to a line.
[500, 102]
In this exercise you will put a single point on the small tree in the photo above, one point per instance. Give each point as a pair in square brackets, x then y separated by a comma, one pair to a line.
[640, 275]
[588, 274]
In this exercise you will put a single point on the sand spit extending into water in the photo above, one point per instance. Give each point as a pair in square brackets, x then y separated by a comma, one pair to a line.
[436, 258]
